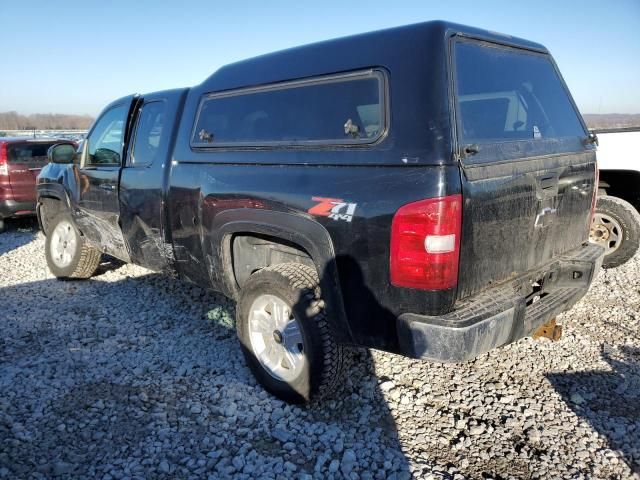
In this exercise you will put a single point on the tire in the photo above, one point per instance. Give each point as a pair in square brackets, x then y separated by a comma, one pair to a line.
[616, 226]
[68, 255]
[317, 367]
[1, 225]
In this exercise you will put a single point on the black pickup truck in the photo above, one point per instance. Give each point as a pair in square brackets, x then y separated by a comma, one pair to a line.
[425, 190]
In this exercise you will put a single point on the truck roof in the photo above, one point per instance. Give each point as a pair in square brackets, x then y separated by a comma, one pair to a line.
[397, 51]
[371, 49]
[341, 54]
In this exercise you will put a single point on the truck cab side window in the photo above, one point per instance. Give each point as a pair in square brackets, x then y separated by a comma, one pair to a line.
[148, 134]
[104, 143]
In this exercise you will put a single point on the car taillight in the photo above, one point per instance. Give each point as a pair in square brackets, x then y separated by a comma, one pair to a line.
[594, 199]
[4, 168]
[425, 243]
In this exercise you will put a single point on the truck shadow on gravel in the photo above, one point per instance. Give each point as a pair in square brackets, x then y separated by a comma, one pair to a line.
[18, 232]
[142, 376]
[608, 399]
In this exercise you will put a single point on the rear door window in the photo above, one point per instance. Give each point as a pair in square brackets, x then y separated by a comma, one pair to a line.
[505, 94]
[28, 153]
[343, 109]
[148, 136]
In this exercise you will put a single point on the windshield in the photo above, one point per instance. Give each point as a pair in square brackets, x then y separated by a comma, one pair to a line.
[506, 94]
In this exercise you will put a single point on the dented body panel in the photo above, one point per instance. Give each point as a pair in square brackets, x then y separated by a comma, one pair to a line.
[213, 215]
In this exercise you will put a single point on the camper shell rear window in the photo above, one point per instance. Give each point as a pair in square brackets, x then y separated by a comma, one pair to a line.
[509, 94]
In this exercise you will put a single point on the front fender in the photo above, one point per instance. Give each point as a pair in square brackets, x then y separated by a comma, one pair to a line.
[58, 181]
[53, 183]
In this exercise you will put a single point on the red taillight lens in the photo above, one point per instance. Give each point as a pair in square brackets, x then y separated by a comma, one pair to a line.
[4, 168]
[594, 199]
[425, 243]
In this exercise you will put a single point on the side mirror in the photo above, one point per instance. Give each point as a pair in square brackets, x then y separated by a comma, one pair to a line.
[61, 153]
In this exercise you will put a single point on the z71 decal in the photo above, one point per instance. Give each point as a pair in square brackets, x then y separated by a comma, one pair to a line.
[334, 208]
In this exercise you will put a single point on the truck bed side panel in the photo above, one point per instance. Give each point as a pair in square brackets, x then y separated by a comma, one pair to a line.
[361, 243]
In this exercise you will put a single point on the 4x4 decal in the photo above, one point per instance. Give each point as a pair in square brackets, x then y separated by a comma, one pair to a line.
[334, 208]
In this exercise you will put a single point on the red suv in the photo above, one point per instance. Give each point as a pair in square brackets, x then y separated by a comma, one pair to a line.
[20, 162]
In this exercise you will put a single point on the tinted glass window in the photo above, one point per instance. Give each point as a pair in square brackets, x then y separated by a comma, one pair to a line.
[28, 152]
[104, 143]
[148, 134]
[504, 94]
[337, 110]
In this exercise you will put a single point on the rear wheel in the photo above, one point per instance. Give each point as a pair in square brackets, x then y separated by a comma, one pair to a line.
[616, 226]
[284, 333]
[67, 253]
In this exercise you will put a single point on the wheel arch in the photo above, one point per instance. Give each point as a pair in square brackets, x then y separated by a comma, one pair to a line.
[253, 251]
[54, 199]
[292, 230]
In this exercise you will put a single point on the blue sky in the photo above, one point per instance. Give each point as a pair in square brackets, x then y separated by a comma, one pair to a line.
[76, 56]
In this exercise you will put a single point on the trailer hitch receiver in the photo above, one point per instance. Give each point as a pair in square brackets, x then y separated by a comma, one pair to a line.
[549, 330]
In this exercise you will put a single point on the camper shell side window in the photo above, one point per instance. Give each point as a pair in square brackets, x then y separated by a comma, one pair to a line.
[345, 109]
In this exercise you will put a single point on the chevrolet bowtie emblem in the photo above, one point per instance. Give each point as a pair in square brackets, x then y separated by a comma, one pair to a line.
[544, 217]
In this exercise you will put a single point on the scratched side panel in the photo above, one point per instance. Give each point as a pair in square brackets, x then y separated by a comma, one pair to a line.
[361, 243]
[142, 192]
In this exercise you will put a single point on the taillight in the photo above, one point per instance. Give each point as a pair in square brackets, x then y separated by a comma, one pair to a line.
[594, 199]
[4, 168]
[425, 243]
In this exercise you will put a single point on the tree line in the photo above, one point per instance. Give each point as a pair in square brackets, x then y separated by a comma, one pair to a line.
[612, 120]
[44, 121]
[60, 121]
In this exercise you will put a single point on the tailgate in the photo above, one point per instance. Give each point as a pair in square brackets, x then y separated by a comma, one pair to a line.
[515, 223]
[528, 169]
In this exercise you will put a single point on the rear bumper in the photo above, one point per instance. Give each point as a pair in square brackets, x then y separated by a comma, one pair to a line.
[11, 208]
[503, 314]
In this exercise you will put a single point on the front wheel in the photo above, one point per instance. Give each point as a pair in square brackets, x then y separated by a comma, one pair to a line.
[68, 255]
[285, 336]
[615, 226]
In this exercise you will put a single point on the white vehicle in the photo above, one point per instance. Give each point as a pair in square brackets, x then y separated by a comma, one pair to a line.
[616, 223]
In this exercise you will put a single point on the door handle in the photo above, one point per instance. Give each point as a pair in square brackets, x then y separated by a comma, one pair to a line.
[548, 185]
[108, 187]
[548, 182]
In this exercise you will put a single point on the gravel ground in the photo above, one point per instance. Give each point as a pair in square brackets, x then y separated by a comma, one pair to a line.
[135, 375]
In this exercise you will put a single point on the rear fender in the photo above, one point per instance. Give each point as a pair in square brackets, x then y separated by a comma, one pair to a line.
[309, 235]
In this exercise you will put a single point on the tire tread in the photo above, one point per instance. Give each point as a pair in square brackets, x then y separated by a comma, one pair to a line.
[88, 257]
[305, 278]
[630, 220]
[88, 263]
